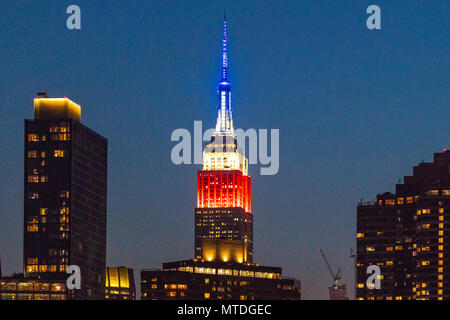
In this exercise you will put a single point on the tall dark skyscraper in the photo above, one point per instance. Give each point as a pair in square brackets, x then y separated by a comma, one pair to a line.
[65, 196]
[406, 234]
[223, 218]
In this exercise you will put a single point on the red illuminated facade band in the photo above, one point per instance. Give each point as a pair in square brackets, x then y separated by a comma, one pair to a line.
[223, 189]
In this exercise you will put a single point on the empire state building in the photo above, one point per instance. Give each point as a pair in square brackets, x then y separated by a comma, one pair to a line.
[223, 218]
[223, 266]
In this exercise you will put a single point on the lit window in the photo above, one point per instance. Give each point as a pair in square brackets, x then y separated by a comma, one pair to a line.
[33, 179]
[33, 137]
[207, 295]
[32, 154]
[58, 153]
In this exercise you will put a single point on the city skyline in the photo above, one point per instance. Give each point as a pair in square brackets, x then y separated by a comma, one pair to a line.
[317, 150]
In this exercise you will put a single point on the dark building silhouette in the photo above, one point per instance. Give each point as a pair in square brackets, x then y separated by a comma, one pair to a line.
[19, 287]
[64, 197]
[217, 280]
[120, 284]
[407, 234]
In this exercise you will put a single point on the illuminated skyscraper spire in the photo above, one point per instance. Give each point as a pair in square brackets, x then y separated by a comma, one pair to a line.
[224, 117]
[224, 51]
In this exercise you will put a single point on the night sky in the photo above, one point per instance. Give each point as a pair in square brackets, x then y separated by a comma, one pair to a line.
[356, 110]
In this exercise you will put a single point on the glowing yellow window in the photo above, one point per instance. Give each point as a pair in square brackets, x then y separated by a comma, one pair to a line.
[440, 292]
[389, 248]
[58, 153]
[409, 199]
[207, 295]
[441, 225]
[441, 240]
[425, 263]
[33, 137]
[33, 179]
[440, 277]
[440, 270]
[441, 218]
[360, 235]
[441, 210]
[440, 285]
[360, 285]
[400, 201]
[389, 263]
[441, 233]
[441, 255]
[32, 228]
[32, 154]
[440, 262]
[43, 211]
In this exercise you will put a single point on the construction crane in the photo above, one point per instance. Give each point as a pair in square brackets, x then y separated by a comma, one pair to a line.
[336, 276]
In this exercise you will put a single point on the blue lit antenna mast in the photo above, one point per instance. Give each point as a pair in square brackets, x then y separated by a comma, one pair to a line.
[224, 118]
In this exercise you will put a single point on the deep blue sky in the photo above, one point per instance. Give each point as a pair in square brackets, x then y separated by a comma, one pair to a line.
[356, 110]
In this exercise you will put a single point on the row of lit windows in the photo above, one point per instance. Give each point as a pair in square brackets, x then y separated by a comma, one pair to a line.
[31, 296]
[230, 272]
[172, 286]
[33, 268]
[31, 286]
[392, 202]
[33, 137]
[37, 179]
[34, 154]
